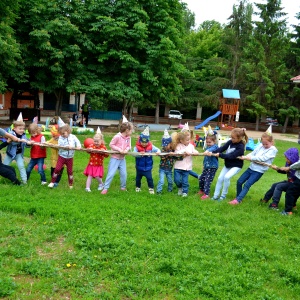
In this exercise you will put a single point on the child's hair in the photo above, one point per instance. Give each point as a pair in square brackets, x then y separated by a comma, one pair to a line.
[34, 128]
[99, 136]
[178, 137]
[125, 126]
[211, 137]
[191, 134]
[64, 128]
[267, 137]
[18, 123]
[241, 134]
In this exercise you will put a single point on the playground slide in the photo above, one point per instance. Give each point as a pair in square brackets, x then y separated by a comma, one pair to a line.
[208, 119]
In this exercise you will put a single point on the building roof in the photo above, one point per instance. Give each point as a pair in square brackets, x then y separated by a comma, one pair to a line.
[232, 94]
[296, 79]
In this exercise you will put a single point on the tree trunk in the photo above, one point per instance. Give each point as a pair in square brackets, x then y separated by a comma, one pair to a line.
[157, 113]
[124, 108]
[59, 99]
[286, 121]
[257, 123]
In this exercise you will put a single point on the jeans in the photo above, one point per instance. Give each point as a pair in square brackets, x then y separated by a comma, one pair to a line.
[162, 173]
[140, 175]
[247, 179]
[113, 166]
[40, 163]
[20, 163]
[181, 179]
[194, 174]
[291, 195]
[276, 190]
[224, 179]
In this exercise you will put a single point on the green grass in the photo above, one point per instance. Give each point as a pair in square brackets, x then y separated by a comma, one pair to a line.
[69, 244]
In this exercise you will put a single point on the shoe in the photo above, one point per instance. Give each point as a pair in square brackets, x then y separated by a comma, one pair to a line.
[263, 201]
[184, 194]
[214, 198]
[199, 177]
[43, 183]
[51, 185]
[100, 187]
[55, 184]
[179, 192]
[88, 190]
[234, 202]
[151, 191]
[104, 192]
[70, 187]
[286, 213]
[273, 206]
[123, 189]
[137, 189]
[200, 193]
[204, 197]
[222, 198]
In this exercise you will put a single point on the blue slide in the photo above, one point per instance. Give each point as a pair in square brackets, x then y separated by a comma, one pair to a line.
[208, 119]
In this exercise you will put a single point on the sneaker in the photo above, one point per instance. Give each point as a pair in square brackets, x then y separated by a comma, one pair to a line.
[123, 189]
[51, 185]
[137, 189]
[286, 213]
[222, 198]
[88, 190]
[104, 192]
[200, 193]
[179, 192]
[100, 187]
[214, 198]
[234, 202]
[184, 194]
[55, 184]
[273, 206]
[43, 183]
[263, 201]
[151, 191]
[70, 187]
[204, 197]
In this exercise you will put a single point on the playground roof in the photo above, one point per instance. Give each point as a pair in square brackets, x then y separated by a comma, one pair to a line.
[233, 94]
[296, 79]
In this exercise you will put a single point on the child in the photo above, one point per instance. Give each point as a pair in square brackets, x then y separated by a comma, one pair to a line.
[291, 156]
[65, 156]
[144, 163]
[54, 152]
[182, 167]
[15, 150]
[234, 148]
[265, 152]
[191, 132]
[166, 163]
[37, 153]
[210, 165]
[94, 168]
[121, 143]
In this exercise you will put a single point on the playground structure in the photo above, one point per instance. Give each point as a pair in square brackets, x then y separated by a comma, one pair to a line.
[229, 108]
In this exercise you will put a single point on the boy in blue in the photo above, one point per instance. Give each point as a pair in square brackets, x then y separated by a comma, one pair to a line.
[166, 163]
[210, 165]
[144, 163]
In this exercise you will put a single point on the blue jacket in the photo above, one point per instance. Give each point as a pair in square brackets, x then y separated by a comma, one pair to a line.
[210, 162]
[145, 163]
[11, 149]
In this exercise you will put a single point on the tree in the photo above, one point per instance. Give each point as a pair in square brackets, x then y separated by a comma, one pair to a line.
[256, 111]
[291, 112]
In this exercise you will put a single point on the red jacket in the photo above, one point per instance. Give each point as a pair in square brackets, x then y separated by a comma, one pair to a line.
[37, 151]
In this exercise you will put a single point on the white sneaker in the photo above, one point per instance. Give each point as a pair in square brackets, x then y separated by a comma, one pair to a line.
[100, 187]
[179, 192]
[151, 191]
[43, 183]
[88, 190]
[51, 185]
[137, 189]
[184, 195]
[70, 186]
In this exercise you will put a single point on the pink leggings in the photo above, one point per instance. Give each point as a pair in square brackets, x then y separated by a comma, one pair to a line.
[59, 165]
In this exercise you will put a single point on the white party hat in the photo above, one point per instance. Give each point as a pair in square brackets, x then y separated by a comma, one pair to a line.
[20, 117]
[60, 122]
[146, 131]
[98, 130]
[166, 134]
[35, 120]
[185, 127]
[204, 130]
[269, 130]
[210, 131]
[71, 122]
[124, 119]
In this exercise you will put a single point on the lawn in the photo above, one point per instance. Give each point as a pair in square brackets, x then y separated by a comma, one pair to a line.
[70, 244]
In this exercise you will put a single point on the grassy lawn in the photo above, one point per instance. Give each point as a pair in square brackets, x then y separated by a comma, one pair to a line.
[69, 244]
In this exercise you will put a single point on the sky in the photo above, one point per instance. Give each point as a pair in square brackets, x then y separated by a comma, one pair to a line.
[220, 10]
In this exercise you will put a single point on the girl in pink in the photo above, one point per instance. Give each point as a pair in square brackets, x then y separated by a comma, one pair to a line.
[95, 168]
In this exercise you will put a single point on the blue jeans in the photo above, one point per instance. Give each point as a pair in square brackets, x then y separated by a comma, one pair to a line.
[162, 173]
[20, 163]
[113, 166]
[194, 174]
[140, 175]
[247, 179]
[181, 179]
[276, 190]
[40, 163]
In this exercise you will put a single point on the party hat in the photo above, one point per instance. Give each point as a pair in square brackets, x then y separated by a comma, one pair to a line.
[204, 130]
[269, 130]
[54, 130]
[210, 131]
[71, 122]
[185, 127]
[60, 122]
[124, 119]
[35, 120]
[20, 117]
[145, 135]
[98, 130]
[166, 139]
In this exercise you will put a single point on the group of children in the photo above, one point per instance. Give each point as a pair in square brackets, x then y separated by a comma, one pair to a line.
[176, 154]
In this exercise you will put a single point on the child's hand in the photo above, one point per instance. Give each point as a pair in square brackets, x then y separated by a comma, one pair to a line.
[274, 167]
[285, 169]
[9, 140]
